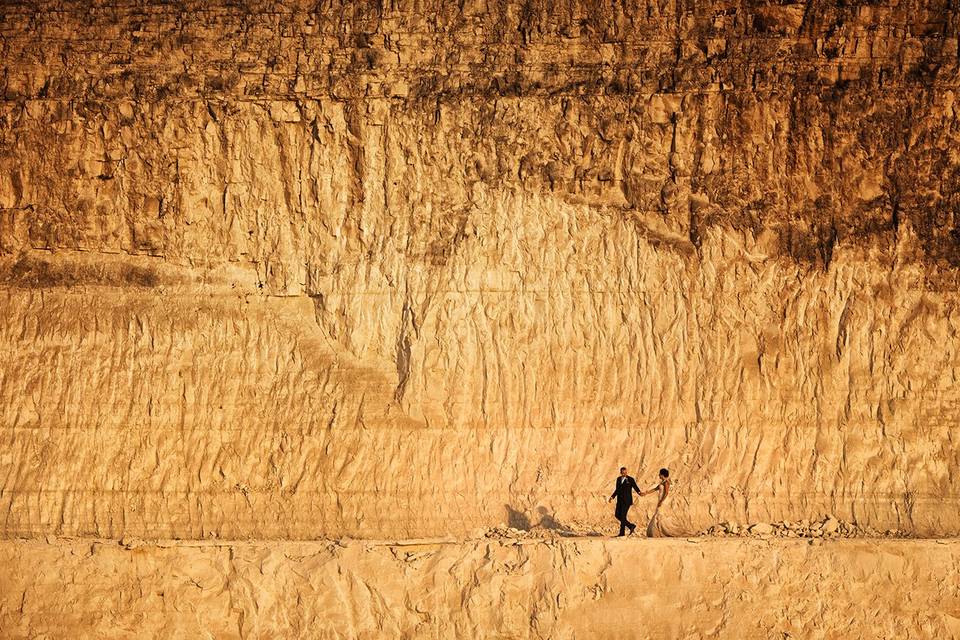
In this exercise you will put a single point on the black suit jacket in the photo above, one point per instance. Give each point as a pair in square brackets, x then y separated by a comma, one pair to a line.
[624, 489]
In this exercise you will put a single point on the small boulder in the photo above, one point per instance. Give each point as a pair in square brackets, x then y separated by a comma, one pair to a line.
[129, 542]
[830, 525]
[761, 529]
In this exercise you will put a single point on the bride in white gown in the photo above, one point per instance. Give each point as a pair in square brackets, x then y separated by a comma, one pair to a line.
[657, 528]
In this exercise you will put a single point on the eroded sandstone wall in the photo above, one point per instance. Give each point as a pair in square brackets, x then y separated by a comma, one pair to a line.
[304, 270]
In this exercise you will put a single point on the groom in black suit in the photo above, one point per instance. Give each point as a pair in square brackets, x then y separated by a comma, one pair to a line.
[623, 492]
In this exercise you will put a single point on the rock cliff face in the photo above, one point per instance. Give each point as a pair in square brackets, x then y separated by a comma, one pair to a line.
[396, 268]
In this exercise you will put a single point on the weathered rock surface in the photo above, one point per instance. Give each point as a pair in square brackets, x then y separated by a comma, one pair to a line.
[828, 527]
[570, 589]
[413, 269]
[761, 528]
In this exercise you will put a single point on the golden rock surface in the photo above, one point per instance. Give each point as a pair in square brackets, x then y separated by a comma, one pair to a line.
[640, 589]
[410, 269]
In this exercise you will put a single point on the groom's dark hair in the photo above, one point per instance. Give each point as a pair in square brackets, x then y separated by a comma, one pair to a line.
[664, 473]
[623, 468]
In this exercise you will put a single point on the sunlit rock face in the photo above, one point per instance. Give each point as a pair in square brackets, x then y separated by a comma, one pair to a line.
[476, 589]
[402, 269]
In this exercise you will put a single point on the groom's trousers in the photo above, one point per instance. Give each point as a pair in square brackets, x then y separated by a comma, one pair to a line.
[621, 515]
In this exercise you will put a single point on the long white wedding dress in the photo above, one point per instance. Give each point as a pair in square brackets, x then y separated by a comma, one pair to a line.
[660, 525]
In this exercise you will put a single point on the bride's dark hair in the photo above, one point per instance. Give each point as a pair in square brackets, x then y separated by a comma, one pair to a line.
[664, 473]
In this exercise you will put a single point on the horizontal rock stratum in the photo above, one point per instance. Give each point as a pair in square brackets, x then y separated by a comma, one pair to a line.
[638, 589]
[406, 269]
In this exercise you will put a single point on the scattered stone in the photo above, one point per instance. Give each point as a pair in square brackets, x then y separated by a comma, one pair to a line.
[129, 542]
[829, 527]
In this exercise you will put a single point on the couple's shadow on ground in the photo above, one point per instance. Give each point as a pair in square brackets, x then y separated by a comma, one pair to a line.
[520, 520]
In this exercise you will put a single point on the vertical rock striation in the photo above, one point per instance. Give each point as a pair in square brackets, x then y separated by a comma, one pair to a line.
[367, 268]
